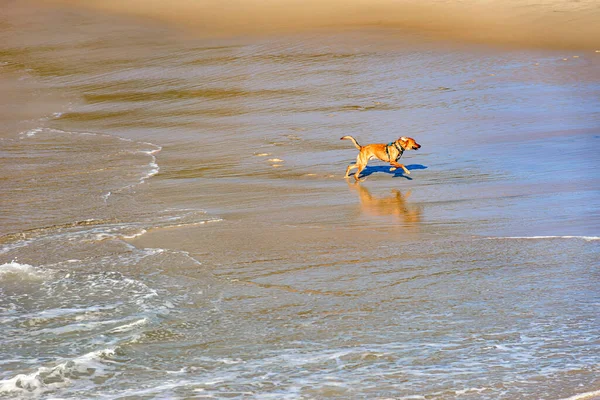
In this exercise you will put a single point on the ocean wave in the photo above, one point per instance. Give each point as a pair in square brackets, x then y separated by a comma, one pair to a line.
[79, 233]
[15, 270]
[152, 166]
[104, 298]
[146, 148]
[46, 379]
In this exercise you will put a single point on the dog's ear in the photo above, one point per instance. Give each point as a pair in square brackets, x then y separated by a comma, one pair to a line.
[404, 138]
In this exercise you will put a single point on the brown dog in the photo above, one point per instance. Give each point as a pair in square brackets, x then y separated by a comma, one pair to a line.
[390, 152]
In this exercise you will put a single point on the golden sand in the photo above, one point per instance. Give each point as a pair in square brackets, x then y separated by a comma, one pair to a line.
[543, 23]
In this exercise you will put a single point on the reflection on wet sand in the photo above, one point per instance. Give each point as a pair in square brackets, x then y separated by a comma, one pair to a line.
[394, 205]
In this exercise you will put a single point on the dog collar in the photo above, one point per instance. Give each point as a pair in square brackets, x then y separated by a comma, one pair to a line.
[400, 150]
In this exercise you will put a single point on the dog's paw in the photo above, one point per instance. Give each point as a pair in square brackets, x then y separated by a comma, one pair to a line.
[393, 169]
[407, 172]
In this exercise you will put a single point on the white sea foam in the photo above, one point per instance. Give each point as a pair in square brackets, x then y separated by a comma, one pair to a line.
[470, 390]
[31, 132]
[585, 396]
[46, 379]
[106, 195]
[15, 270]
[188, 224]
[586, 238]
[154, 168]
[135, 235]
[61, 312]
[130, 326]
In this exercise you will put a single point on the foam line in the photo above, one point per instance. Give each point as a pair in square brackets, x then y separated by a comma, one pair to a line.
[585, 396]
[586, 238]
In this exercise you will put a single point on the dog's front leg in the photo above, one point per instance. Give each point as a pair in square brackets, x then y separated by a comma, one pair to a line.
[396, 165]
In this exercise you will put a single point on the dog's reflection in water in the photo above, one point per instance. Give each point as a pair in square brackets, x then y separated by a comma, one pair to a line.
[394, 205]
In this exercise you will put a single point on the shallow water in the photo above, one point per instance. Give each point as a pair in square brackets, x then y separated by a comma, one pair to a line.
[176, 223]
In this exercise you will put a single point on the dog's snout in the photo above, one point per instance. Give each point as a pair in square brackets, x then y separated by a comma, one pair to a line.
[416, 146]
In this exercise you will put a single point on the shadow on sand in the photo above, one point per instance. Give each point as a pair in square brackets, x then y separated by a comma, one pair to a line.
[386, 168]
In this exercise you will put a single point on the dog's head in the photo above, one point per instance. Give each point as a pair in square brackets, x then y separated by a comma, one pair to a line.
[408, 143]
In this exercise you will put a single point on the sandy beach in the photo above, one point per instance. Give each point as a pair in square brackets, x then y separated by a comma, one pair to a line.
[176, 224]
[546, 23]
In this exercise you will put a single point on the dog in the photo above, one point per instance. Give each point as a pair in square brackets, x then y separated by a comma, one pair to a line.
[390, 152]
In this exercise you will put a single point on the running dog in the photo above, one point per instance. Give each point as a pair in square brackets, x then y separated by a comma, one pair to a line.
[390, 152]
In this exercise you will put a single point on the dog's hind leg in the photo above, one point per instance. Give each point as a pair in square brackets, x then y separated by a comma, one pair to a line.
[350, 167]
[360, 169]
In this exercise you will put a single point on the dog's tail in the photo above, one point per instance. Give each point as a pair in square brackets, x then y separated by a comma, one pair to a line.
[358, 146]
